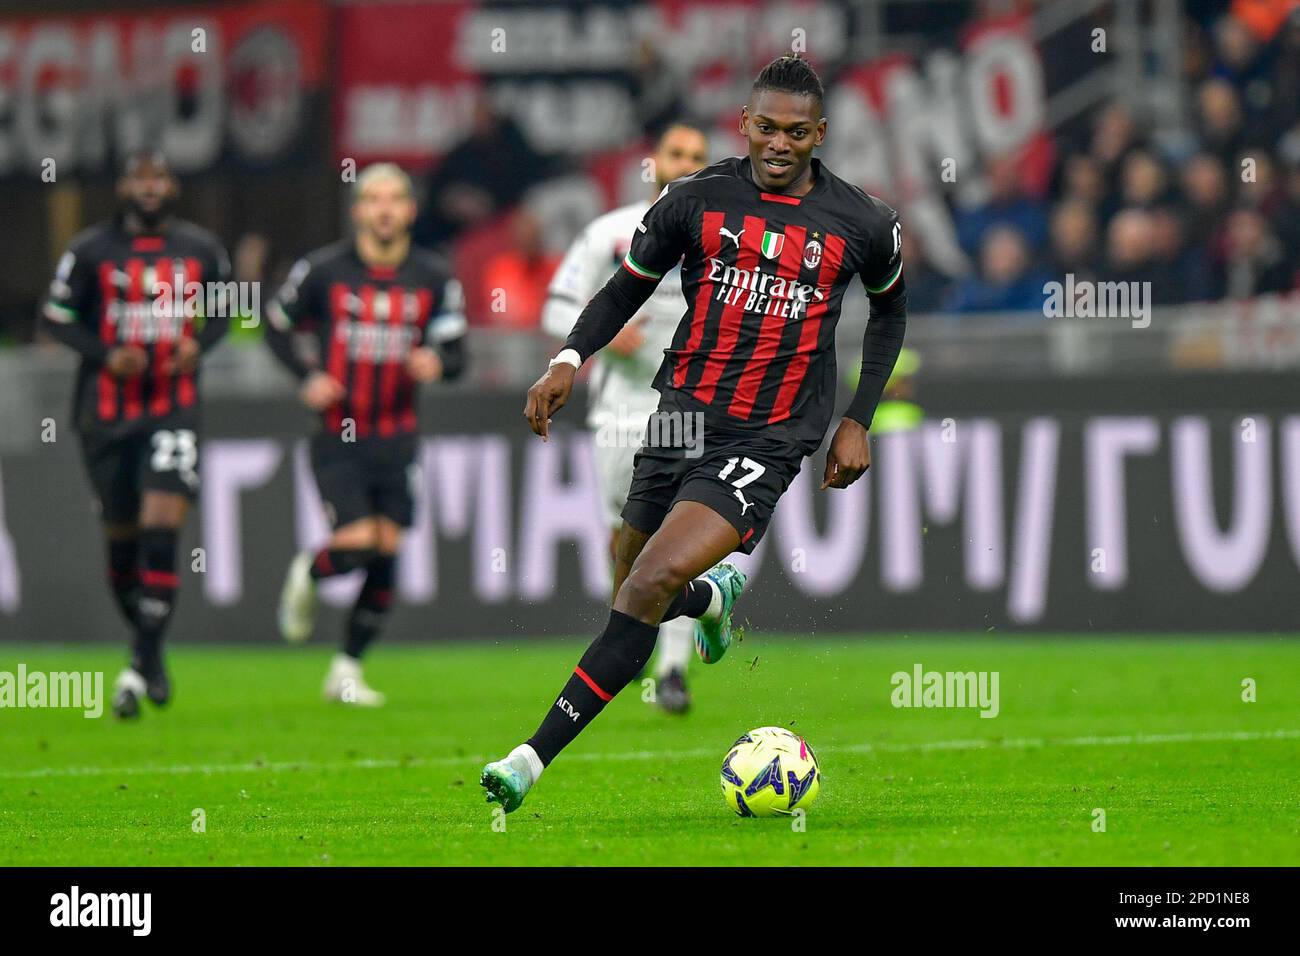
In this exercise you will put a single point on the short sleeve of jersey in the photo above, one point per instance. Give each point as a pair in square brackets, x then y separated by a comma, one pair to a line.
[71, 293]
[297, 300]
[884, 261]
[661, 238]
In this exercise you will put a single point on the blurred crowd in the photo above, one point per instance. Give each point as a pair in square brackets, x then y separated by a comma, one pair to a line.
[472, 206]
[1205, 209]
[1206, 212]
[1212, 212]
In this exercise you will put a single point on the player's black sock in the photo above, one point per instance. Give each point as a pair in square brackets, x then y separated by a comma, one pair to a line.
[612, 660]
[158, 582]
[124, 575]
[331, 561]
[691, 601]
[372, 605]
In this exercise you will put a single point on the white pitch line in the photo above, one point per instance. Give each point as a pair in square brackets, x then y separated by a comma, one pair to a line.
[472, 760]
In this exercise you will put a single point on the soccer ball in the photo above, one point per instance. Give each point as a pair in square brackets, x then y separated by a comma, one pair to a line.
[770, 772]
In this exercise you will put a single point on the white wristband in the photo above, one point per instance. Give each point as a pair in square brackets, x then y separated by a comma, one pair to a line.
[569, 357]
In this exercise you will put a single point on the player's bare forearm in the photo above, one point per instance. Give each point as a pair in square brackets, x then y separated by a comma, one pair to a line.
[849, 456]
[548, 395]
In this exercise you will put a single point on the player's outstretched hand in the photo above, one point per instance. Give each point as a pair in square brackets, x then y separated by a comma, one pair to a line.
[321, 390]
[424, 365]
[185, 359]
[849, 456]
[547, 396]
[126, 361]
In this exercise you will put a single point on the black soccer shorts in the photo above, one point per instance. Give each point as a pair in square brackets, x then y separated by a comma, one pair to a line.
[741, 478]
[364, 478]
[154, 455]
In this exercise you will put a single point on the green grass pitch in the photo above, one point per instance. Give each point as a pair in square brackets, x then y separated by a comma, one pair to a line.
[1152, 731]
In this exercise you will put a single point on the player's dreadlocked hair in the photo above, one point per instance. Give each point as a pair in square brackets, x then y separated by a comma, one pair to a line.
[790, 73]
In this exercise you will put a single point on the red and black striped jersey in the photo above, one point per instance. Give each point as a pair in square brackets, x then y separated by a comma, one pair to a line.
[113, 288]
[366, 320]
[764, 277]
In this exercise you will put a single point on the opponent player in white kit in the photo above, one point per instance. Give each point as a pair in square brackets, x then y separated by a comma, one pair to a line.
[622, 398]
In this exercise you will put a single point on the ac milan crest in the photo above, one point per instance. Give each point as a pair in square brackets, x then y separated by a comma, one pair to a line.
[812, 254]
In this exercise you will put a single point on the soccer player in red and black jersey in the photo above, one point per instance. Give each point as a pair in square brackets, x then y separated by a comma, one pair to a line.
[386, 316]
[768, 243]
[124, 297]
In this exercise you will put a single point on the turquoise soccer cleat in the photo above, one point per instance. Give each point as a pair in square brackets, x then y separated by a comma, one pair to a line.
[712, 638]
[505, 784]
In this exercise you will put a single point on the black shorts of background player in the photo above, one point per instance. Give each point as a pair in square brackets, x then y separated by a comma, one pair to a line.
[387, 317]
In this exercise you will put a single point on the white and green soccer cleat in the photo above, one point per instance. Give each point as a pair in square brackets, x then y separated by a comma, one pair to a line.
[505, 784]
[713, 631]
[297, 613]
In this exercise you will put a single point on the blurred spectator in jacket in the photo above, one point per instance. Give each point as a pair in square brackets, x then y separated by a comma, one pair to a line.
[1006, 282]
[1007, 205]
[1114, 135]
[1143, 182]
[656, 89]
[1286, 217]
[1245, 62]
[1262, 190]
[1205, 187]
[1082, 180]
[1237, 53]
[1073, 240]
[516, 279]
[487, 173]
[1132, 255]
[1190, 267]
[925, 286]
[1255, 259]
[1218, 119]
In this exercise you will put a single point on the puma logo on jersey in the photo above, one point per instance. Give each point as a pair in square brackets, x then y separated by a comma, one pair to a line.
[565, 706]
[733, 236]
[744, 505]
